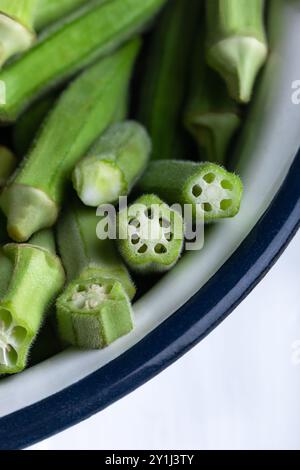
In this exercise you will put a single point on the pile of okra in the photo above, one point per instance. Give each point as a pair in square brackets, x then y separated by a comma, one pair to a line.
[103, 101]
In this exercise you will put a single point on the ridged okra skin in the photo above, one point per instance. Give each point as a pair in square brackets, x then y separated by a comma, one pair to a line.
[213, 192]
[49, 11]
[165, 78]
[16, 27]
[32, 200]
[113, 165]
[31, 277]
[151, 235]
[211, 116]
[8, 163]
[100, 29]
[94, 310]
[236, 43]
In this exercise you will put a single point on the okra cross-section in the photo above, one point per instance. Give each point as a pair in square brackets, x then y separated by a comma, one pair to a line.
[213, 192]
[113, 165]
[94, 310]
[151, 235]
[236, 43]
[32, 200]
[33, 276]
[16, 27]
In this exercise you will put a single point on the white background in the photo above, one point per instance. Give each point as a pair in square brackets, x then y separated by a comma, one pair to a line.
[238, 389]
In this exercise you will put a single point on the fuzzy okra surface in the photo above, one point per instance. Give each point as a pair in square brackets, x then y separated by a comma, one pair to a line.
[113, 165]
[213, 192]
[32, 200]
[100, 29]
[151, 235]
[165, 77]
[94, 310]
[31, 277]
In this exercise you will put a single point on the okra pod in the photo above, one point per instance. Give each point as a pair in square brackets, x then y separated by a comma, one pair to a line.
[213, 192]
[113, 165]
[8, 163]
[32, 200]
[28, 124]
[165, 78]
[31, 277]
[151, 235]
[94, 310]
[211, 116]
[49, 11]
[16, 27]
[98, 30]
[236, 43]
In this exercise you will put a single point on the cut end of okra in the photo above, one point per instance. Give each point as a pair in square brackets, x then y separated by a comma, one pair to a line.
[238, 60]
[113, 165]
[14, 38]
[93, 313]
[28, 210]
[151, 235]
[14, 340]
[214, 192]
[213, 132]
[8, 163]
[98, 182]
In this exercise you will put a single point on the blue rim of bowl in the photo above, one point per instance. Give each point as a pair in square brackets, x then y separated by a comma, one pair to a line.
[173, 338]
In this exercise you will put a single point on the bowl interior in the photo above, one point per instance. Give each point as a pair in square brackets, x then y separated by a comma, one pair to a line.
[265, 152]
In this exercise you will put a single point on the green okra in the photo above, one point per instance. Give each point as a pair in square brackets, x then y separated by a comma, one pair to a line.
[28, 124]
[8, 163]
[16, 27]
[113, 165]
[213, 192]
[151, 235]
[236, 43]
[211, 116]
[49, 11]
[100, 29]
[31, 277]
[32, 200]
[94, 309]
[165, 78]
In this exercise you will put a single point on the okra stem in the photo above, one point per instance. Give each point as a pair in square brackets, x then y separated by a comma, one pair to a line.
[213, 192]
[113, 165]
[165, 77]
[33, 276]
[8, 163]
[94, 310]
[16, 27]
[211, 115]
[151, 235]
[236, 44]
[32, 201]
[99, 29]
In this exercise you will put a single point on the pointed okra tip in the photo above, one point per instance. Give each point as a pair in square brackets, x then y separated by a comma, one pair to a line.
[13, 344]
[92, 313]
[238, 60]
[28, 210]
[214, 192]
[151, 235]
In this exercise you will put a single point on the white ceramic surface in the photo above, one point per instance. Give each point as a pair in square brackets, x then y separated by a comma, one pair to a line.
[264, 158]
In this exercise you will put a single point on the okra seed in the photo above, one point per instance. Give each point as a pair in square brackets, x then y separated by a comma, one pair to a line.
[142, 249]
[164, 223]
[225, 204]
[197, 190]
[207, 207]
[227, 185]
[135, 239]
[209, 178]
[160, 248]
